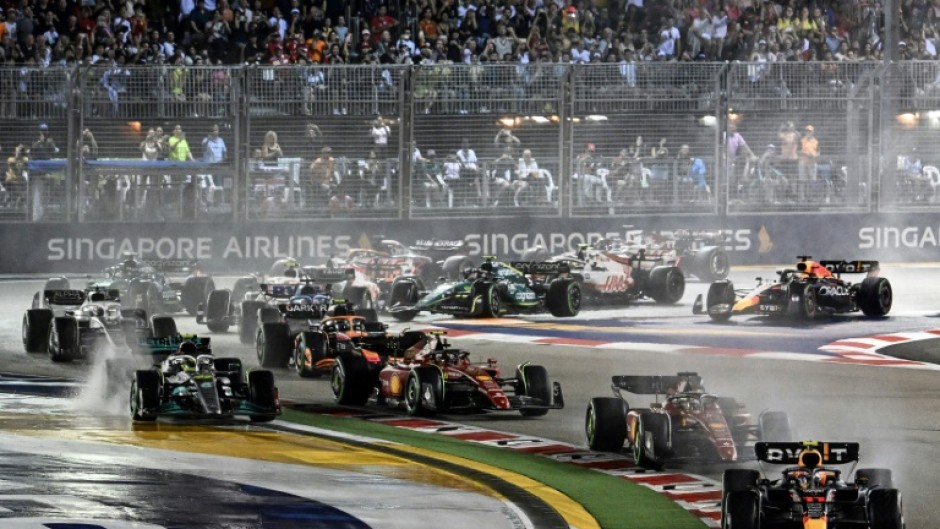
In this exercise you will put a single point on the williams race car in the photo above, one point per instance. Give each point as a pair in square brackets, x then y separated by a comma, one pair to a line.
[811, 492]
[434, 378]
[493, 289]
[810, 289]
[689, 424]
[203, 386]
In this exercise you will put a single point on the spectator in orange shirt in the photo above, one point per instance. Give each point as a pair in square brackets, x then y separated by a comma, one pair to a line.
[316, 47]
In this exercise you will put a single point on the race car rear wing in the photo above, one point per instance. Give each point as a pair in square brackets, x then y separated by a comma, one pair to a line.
[171, 265]
[788, 453]
[279, 291]
[541, 267]
[64, 297]
[327, 275]
[437, 245]
[850, 267]
[657, 384]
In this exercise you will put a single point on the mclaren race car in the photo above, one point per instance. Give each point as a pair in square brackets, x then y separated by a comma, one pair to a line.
[689, 424]
[811, 491]
[434, 378]
[810, 289]
[493, 289]
[203, 386]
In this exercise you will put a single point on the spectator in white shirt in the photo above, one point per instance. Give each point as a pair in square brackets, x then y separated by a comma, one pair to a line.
[528, 174]
[469, 170]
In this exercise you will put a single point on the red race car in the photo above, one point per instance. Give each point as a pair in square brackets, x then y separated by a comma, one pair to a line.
[432, 377]
[688, 424]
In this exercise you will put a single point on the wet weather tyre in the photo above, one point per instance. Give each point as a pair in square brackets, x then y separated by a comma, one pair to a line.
[740, 511]
[455, 267]
[605, 424]
[774, 426]
[564, 298]
[57, 283]
[885, 509]
[262, 393]
[312, 345]
[63, 343]
[875, 477]
[195, 291]
[415, 399]
[652, 432]
[738, 480]
[248, 321]
[534, 383]
[720, 293]
[163, 327]
[666, 285]
[269, 315]
[711, 264]
[403, 293]
[491, 302]
[350, 380]
[145, 395]
[217, 310]
[36, 329]
[273, 344]
[875, 296]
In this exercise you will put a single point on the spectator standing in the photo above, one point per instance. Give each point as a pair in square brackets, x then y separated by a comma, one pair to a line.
[322, 171]
[16, 177]
[270, 150]
[528, 175]
[214, 146]
[177, 147]
[738, 170]
[505, 138]
[693, 172]
[809, 155]
[44, 147]
[380, 131]
[789, 148]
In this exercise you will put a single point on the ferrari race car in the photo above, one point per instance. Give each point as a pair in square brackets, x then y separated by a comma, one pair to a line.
[434, 378]
[811, 492]
[690, 424]
[204, 387]
[810, 289]
[608, 275]
[493, 289]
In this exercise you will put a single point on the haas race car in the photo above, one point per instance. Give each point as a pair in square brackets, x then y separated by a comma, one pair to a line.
[810, 492]
[806, 291]
[689, 424]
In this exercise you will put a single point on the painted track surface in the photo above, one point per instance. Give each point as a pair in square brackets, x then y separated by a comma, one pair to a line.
[891, 411]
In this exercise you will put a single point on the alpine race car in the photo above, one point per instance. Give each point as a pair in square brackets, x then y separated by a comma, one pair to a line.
[203, 387]
[811, 492]
[493, 289]
[607, 275]
[689, 424]
[810, 289]
[434, 378]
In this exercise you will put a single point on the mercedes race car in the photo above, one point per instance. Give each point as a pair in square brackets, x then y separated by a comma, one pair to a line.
[608, 275]
[434, 378]
[493, 289]
[689, 424]
[204, 387]
[811, 491]
[810, 289]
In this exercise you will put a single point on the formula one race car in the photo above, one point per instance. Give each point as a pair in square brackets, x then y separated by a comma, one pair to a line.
[810, 289]
[689, 424]
[156, 285]
[315, 350]
[434, 378]
[608, 275]
[811, 492]
[203, 387]
[493, 289]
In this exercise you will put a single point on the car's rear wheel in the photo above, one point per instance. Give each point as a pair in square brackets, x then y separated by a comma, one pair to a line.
[885, 509]
[273, 344]
[36, 329]
[262, 393]
[874, 477]
[145, 395]
[605, 424]
[64, 343]
[195, 291]
[564, 298]
[248, 321]
[649, 443]
[416, 403]
[217, 310]
[350, 380]
[666, 285]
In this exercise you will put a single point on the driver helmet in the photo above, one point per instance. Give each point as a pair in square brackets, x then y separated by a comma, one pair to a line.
[290, 272]
[187, 348]
[129, 263]
[307, 290]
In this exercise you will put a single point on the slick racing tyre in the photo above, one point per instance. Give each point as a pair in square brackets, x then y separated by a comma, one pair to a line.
[416, 400]
[274, 344]
[720, 293]
[885, 509]
[564, 298]
[310, 348]
[36, 329]
[63, 344]
[649, 444]
[145, 395]
[262, 393]
[195, 291]
[875, 296]
[533, 382]
[350, 380]
[740, 511]
[217, 310]
[605, 424]
[666, 285]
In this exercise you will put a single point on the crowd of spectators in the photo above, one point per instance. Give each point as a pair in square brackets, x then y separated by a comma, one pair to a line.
[44, 32]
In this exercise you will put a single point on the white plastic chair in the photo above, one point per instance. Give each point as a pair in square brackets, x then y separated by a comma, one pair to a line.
[550, 187]
[933, 178]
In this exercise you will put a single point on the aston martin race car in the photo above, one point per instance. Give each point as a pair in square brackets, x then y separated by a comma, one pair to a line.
[609, 275]
[810, 289]
[689, 424]
[203, 387]
[493, 289]
[810, 492]
[435, 378]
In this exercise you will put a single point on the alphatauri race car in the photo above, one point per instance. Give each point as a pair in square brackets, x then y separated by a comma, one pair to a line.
[810, 492]
[689, 424]
[804, 292]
